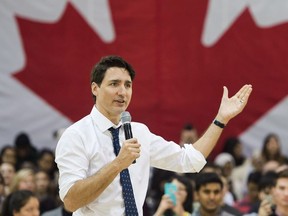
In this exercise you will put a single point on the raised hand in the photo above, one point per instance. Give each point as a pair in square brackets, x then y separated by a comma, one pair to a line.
[230, 107]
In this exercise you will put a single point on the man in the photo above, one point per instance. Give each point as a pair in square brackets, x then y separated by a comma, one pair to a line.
[280, 194]
[209, 193]
[275, 204]
[89, 170]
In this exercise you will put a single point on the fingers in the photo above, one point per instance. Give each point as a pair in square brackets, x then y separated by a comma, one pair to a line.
[265, 208]
[131, 148]
[225, 92]
[244, 93]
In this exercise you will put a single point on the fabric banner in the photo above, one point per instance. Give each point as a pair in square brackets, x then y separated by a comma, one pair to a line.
[183, 54]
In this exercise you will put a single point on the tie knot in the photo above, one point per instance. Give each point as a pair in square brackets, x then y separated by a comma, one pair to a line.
[114, 131]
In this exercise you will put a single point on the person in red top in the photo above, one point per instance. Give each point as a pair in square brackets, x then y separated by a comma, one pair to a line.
[244, 205]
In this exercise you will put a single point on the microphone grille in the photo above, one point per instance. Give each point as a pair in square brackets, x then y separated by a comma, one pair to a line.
[125, 117]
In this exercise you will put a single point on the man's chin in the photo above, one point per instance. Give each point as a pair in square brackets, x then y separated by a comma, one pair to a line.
[121, 109]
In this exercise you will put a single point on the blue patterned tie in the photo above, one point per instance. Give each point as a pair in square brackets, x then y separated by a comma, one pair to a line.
[127, 190]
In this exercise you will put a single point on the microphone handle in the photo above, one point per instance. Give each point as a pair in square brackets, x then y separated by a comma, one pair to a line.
[128, 133]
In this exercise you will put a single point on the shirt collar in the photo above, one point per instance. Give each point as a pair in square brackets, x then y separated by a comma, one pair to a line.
[101, 121]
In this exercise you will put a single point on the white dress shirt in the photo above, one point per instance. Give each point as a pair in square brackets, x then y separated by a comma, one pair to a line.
[86, 146]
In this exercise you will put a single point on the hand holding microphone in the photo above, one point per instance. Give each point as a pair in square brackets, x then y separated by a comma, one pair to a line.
[126, 120]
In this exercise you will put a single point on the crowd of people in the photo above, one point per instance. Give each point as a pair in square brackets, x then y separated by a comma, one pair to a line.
[231, 184]
[28, 179]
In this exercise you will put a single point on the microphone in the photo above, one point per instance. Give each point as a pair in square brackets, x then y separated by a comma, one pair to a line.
[126, 120]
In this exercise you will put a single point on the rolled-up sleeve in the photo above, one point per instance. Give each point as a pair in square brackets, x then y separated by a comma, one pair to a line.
[196, 158]
[71, 161]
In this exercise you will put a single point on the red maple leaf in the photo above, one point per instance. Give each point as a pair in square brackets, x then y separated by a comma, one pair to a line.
[178, 80]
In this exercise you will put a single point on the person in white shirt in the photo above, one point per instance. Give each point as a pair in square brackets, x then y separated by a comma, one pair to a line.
[88, 168]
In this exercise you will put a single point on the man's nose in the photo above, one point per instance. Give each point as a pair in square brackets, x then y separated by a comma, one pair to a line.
[121, 90]
[212, 196]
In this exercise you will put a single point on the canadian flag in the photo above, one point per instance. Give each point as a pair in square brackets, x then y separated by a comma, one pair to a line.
[183, 54]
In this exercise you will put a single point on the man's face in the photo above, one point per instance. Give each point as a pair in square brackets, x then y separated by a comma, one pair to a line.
[210, 197]
[280, 192]
[114, 94]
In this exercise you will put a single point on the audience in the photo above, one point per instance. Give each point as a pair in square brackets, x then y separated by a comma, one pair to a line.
[188, 134]
[271, 150]
[245, 205]
[26, 153]
[24, 180]
[46, 163]
[184, 199]
[233, 146]
[226, 163]
[265, 187]
[240, 174]
[2, 191]
[229, 185]
[45, 191]
[21, 203]
[8, 172]
[8, 155]
[209, 194]
[280, 194]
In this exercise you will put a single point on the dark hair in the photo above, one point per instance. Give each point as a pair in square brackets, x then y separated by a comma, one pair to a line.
[188, 203]
[45, 151]
[53, 169]
[2, 181]
[229, 145]
[207, 178]
[4, 149]
[281, 174]
[22, 140]
[267, 180]
[188, 126]
[99, 70]
[189, 189]
[265, 152]
[15, 201]
[254, 177]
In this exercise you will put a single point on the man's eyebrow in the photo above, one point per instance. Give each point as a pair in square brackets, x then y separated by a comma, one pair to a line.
[114, 80]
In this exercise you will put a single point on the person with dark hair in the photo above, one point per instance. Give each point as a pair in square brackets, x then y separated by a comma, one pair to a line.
[21, 203]
[266, 184]
[271, 150]
[8, 172]
[276, 203]
[183, 198]
[2, 191]
[279, 203]
[45, 191]
[233, 146]
[188, 134]
[46, 162]
[26, 153]
[97, 175]
[8, 155]
[209, 193]
[252, 197]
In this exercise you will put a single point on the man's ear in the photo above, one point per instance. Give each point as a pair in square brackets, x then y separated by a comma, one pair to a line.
[94, 88]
